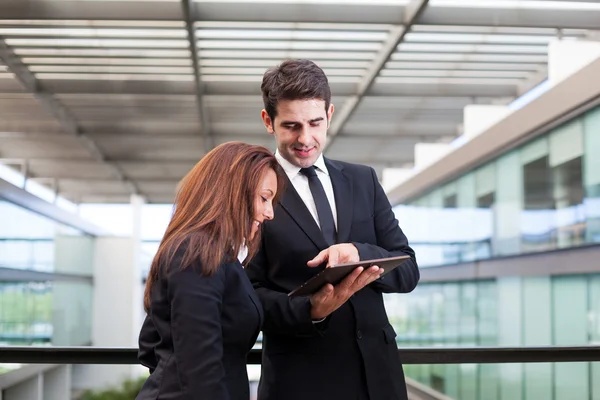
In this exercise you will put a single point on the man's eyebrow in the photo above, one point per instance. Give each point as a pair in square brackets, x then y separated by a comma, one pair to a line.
[296, 122]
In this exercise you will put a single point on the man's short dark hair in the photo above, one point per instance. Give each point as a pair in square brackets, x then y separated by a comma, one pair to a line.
[294, 80]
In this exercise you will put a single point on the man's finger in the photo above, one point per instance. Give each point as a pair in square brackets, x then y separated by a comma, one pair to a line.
[319, 259]
[334, 257]
[369, 275]
[323, 294]
[348, 281]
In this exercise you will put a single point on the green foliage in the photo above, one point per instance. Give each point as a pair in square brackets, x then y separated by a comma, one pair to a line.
[128, 390]
[20, 304]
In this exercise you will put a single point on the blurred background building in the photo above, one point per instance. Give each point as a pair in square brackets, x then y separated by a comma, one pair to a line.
[480, 117]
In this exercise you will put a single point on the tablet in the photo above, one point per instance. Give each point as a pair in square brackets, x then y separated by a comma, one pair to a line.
[336, 273]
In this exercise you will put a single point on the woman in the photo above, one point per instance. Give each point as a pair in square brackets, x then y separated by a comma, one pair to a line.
[203, 314]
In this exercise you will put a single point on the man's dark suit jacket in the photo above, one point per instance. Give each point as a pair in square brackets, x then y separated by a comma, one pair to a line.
[353, 353]
[198, 334]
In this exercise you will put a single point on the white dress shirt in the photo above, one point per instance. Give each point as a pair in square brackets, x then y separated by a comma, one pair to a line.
[242, 254]
[300, 183]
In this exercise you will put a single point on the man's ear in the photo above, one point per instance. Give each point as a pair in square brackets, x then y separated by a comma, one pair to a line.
[329, 114]
[267, 121]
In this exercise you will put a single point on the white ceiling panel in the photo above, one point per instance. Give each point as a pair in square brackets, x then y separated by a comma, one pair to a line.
[128, 97]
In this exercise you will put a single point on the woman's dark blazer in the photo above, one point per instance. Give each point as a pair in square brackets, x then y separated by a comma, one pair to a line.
[197, 334]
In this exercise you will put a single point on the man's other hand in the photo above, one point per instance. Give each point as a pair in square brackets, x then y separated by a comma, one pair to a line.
[330, 297]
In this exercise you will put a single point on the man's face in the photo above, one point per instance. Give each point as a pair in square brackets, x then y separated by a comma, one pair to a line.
[300, 129]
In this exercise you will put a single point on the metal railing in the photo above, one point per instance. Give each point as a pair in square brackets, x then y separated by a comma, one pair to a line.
[409, 355]
[52, 357]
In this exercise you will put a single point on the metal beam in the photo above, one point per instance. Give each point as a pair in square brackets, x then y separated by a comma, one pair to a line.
[410, 355]
[33, 203]
[199, 86]
[412, 11]
[74, 180]
[55, 108]
[8, 274]
[299, 12]
[125, 10]
[252, 88]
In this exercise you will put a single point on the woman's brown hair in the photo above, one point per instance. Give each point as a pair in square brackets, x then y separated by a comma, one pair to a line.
[214, 209]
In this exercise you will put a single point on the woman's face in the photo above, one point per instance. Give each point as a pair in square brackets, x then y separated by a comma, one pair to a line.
[263, 203]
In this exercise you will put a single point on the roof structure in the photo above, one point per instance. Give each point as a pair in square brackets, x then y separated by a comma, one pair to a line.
[101, 99]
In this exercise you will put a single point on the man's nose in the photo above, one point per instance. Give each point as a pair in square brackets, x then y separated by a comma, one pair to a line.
[304, 136]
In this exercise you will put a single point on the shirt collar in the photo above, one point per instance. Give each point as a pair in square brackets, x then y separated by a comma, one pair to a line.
[291, 170]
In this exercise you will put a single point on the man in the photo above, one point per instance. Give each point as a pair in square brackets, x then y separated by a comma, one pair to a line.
[337, 343]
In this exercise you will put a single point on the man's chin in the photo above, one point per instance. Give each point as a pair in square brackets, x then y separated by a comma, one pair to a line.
[304, 162]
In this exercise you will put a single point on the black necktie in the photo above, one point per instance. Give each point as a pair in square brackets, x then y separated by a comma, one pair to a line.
[323, 207]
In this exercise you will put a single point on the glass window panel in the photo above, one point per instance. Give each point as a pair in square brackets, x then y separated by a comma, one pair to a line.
[488, 382]
[537, 331]
[570, 328]
[591, 174]
[485, 179]
[450, 196]
[71, 314]
[451, 333]
[568, 201]
[594, 293]
[534, 150]
[474, 221]
[538, 216]
[468, 381]
[487, 331]
[510, 330]
[468, 311]
[465, 190]
[436, 199]
[566, 143]
[468, 337]
[26, 313]
[508, 205]
[451, 313]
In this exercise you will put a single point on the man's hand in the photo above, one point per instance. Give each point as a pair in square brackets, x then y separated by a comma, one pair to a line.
[336, 254]
[330, 298]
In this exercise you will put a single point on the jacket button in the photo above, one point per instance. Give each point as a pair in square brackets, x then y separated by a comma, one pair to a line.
[359, 334]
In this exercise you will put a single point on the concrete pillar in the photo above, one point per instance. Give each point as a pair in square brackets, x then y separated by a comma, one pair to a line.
[137, 204]
[567, 57]
[31, 389]
[57, 383]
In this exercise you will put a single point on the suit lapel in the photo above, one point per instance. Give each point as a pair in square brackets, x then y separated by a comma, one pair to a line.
[342, 188]
[295, 207]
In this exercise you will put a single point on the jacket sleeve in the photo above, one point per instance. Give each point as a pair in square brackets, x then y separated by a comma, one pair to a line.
[391, 242]
[147, 341]
[196, 303]
[284, 315]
